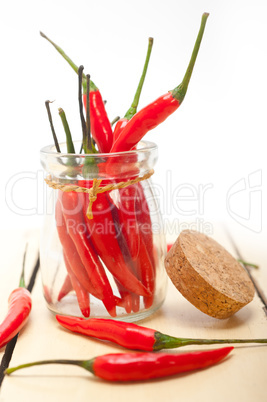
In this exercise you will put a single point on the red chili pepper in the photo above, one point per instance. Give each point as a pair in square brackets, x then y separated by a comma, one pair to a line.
[65, 288]
[119, 127]
[126, 297]
[83, 297]
[47, 294]
[100, 125]
[72, 206]
[128, 335]
[136, 337]
[19, 308]
[145, 366]
[144, 221]
[141, 366]
[169, 246]
[156, 112]
[145, 120]
[146, 272]
[127, 218]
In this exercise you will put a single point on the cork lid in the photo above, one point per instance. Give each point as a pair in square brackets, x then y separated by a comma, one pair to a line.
[207, 275]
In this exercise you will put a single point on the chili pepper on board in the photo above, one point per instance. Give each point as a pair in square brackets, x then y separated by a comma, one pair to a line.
[136, 337]
[141, 366]
[100, 124]
[19, 308]
[156, 112]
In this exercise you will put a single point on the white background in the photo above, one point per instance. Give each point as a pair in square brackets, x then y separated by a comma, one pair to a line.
[215, 141]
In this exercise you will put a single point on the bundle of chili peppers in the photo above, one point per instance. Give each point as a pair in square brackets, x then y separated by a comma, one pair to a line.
[128, 255]
[139, 366]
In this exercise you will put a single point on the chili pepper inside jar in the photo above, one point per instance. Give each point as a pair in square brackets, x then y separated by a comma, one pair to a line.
[103, 244]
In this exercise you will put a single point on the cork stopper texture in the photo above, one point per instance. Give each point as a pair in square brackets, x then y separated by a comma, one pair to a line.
[207, 275]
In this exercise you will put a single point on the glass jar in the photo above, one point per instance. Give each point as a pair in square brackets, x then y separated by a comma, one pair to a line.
[111, 265]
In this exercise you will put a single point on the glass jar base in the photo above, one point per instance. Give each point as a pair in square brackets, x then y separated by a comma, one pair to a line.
[69, 310]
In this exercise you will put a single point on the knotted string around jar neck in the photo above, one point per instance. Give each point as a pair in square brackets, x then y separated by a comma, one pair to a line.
[95, 189]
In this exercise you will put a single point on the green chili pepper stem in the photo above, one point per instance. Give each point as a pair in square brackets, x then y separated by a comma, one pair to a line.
[52, 125]
[131, 112]
[248, 263]
[163, 341]
[93, 87]
[22, 278]
[70, 146]
[180, 91]
[86, 364]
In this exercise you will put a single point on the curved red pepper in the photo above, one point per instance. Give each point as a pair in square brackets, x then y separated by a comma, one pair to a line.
[146, 272]
[133, 336]
[128, 335]
[65, 288]
[127, 217]
[146, 119]
[19, 308]
[125, 297]
[119, 127]
[100, 124]
[83, 297]
[144, 221]
[140, 366]
[145, 366]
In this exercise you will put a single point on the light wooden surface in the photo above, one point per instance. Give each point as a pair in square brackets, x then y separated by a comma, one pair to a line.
[241, 377]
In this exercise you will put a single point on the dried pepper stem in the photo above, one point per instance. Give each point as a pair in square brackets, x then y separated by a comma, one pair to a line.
[52, 125]
[88, 124]
[83, 122]
[115, 120]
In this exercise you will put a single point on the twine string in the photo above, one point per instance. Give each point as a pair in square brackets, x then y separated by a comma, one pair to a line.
[95, 189]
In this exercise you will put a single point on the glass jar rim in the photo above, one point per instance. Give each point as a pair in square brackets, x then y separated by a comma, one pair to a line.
[145, 146]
